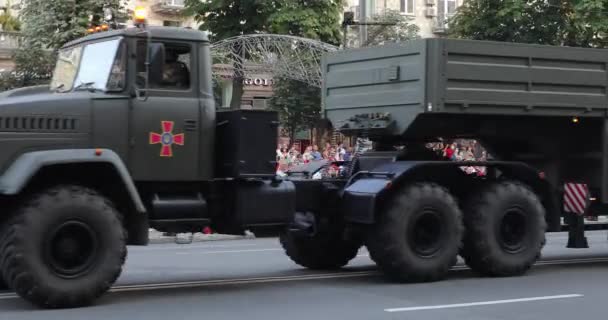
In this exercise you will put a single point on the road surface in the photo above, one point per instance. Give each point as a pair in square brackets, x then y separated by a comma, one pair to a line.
[252, 279]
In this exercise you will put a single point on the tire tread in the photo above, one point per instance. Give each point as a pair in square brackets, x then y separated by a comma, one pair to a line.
[11, 258]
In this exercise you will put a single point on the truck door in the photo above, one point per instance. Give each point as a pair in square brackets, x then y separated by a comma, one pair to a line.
[163, 131]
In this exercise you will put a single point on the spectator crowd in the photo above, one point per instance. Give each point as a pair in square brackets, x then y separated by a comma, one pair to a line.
[462, 150]
[458, 150]
[287, 158]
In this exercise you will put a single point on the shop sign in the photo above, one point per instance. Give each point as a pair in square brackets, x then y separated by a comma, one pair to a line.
[257, 82]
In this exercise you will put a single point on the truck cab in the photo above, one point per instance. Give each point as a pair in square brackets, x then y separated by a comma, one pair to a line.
[126, 137]
[165, 101]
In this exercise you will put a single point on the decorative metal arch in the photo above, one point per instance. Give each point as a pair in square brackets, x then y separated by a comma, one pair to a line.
[280, 55]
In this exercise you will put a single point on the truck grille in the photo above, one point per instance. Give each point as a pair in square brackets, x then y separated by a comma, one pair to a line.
[32, 123]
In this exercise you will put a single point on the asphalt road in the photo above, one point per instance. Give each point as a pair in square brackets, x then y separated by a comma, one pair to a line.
[252, 279]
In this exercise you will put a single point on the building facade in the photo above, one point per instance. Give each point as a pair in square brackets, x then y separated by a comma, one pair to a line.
[168, 13]
[429, 15]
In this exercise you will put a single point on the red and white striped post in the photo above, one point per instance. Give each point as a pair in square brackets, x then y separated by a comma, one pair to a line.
[576, 203]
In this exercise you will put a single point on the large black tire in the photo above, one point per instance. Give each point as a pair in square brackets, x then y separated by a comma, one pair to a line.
[506, 226]
[325, 251]
[64, 248]
[3, 235]
[418, 234]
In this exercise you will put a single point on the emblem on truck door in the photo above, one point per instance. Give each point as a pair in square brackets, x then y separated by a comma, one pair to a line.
[167, 138]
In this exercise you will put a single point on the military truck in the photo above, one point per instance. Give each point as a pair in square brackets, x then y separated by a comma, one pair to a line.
[127, 137]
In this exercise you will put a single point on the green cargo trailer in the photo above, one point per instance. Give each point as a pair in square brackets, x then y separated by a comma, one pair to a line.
[541, 111]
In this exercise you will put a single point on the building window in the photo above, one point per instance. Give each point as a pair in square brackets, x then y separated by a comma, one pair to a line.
[169, 23]
[407, 6]
[446, 8]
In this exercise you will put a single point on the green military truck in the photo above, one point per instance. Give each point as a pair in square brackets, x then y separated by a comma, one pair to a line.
[127, 137]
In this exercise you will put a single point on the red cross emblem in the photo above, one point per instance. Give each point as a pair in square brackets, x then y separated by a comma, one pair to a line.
[167, 139]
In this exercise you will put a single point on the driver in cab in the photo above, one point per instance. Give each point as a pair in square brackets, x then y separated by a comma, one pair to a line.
[175, 72]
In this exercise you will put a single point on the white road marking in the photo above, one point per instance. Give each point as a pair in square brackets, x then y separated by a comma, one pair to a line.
[483, 303]
[230, 251]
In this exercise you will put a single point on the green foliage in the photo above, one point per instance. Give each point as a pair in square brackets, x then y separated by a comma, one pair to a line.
[50, 24]
[298, 105]
[402, 29]
[556, 22]
[8, 21]
[34, 62]
[586, 23]
[313, 19]
[33, 67]
[319, 20]
[229, 18]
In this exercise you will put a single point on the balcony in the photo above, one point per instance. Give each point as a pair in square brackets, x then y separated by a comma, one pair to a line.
[173, 7]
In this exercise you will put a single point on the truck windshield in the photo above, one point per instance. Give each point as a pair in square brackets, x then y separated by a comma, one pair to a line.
[95, 66]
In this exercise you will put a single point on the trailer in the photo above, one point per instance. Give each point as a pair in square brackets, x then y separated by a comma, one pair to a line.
[541, 111]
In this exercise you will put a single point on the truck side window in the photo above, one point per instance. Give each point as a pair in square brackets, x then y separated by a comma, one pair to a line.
[118, 72]
[176, 71]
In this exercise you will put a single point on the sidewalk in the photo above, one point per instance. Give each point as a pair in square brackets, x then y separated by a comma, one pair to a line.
[600, 220]
[184, 238]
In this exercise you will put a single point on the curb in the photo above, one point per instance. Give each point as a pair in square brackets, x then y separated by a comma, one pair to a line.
[156, 237]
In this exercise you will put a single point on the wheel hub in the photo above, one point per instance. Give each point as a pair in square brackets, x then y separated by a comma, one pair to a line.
[72, 249]
[425, 235]
[513, 229]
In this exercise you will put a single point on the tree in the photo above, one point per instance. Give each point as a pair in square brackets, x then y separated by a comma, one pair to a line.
[7, 21]
[313, 19]
[399, 29]
[586, 23]
[555, 22]
[229, 18]
[50, 24]
[298, 103]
